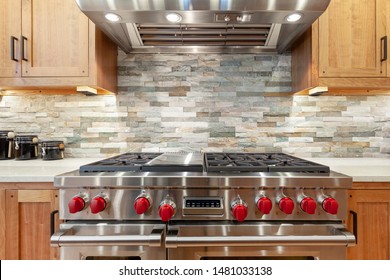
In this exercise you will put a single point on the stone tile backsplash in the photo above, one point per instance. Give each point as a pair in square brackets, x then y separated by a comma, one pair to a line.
[204, 103]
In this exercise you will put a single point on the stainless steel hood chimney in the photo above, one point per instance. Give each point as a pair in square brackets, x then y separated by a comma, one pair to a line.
[203, 26]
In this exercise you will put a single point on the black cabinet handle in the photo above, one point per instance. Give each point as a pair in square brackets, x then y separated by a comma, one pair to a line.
[354, 224]
[13, 39]
[383, 48]
[22, 40]
[52, 222]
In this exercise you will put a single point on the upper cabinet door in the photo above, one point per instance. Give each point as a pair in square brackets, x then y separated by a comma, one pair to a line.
[10, 30]
[350, 39]
[54, 39]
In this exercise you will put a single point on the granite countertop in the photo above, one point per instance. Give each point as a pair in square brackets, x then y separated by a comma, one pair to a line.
[361, 169]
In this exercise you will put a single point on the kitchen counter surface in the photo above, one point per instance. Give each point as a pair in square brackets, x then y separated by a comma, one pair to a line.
[361, 169]
[38, 170]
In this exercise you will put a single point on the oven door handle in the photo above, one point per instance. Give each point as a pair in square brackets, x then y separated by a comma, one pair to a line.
[343, 238]
[65, 238]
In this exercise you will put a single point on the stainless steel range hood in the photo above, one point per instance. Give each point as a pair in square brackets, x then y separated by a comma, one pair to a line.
[203, 26]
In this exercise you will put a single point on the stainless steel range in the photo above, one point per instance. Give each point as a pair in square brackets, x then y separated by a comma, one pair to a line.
[203, 206]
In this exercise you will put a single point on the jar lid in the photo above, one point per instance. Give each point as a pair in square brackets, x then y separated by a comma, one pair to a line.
[29, 138]
[52, 143]
[5, 132]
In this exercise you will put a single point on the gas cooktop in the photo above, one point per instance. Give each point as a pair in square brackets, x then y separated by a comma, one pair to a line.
[207, 162]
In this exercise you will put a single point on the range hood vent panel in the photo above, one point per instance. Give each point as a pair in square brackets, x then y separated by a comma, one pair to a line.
[210, 26]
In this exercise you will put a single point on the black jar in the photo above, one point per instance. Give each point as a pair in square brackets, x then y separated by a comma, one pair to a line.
[7, 144]
[52, 150]
[26, 147]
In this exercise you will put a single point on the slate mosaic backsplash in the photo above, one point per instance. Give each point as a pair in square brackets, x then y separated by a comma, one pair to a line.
[208, 103]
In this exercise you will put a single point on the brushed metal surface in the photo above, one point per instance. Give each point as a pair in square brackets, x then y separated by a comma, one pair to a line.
[197, 12]
[188, 235]
[121, 203]
[108, 235]
[201, 180]
[110, 241]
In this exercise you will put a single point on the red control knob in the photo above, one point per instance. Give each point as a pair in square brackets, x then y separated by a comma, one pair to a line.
[76, 204]
[166, 212]
[330, 205]
[141, 205]
[308, 205]
[240, 211]
[264, 204]
[98, 204]
[286, 205]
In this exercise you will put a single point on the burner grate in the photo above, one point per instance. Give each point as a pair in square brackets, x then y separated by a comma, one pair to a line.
[260, 162]
[122, 163]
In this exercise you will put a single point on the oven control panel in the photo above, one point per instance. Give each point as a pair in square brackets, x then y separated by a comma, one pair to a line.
[203, 206]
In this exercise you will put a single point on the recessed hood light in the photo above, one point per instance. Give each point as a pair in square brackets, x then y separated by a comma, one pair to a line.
[173, 17]
[294, 17]
[112, 17]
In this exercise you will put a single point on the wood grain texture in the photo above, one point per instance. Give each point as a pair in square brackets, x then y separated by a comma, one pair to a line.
[12, 225]
[373, 218]
[60, 48]
[10, 25]
[349, 39]
[27, 223]
[57, 39]
[2, 224]
[345, 49]
[106, 61]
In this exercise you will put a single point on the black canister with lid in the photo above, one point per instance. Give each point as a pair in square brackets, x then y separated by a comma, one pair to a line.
[52, 150]
[7, 144]
[26, 147]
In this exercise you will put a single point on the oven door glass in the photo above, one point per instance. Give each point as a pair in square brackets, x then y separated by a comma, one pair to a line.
[110, 241]
[258, 241]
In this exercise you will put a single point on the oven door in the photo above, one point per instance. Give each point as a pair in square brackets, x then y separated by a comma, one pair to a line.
[110, 241]
[258, 241]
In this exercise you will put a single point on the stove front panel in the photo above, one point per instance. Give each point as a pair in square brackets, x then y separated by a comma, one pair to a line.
[203, 203]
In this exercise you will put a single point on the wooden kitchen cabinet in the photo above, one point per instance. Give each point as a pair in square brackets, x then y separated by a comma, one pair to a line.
[345, 48]
[371, 203]
[25, 223]
[52, 44]
[9, 26]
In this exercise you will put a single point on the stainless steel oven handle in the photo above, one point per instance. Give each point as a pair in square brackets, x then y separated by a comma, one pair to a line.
[62, 239]
[344, 239]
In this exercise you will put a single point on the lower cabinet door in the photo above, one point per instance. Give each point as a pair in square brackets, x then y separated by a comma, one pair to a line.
[27, 223]
[370, 219]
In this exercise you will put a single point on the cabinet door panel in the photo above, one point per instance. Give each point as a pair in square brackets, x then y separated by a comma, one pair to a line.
[10, 25]
[56, 34]
[373, 219]
[28, 224]
[350, 39]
